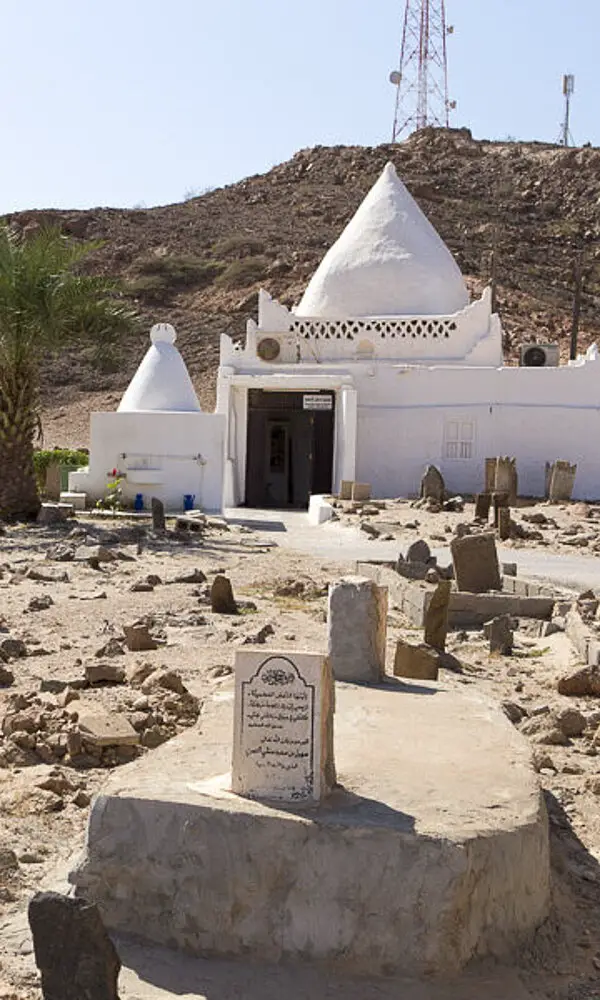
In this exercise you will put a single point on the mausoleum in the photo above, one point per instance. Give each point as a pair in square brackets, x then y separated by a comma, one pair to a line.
[159, 440]
[384, 367]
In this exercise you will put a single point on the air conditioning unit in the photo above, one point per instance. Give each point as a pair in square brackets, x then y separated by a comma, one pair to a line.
[539, 355]
[277, 348]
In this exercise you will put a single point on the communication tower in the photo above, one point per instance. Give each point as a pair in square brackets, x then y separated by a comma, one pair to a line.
[565, 138]
[421, 80]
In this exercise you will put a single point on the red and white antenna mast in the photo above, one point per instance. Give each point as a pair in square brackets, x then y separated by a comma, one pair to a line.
[421, 79]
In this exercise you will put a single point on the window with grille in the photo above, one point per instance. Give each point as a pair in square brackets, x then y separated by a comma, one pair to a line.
[459, 437]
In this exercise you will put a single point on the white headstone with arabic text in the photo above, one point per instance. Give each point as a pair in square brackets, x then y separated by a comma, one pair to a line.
[283, 726]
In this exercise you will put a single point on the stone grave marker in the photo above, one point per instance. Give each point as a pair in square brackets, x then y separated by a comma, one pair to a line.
[500, 633]
[222, 601]
[73, 951]
[483, 503]
[504, 523]
[432, 484]
[158, 515]
[499, 500]
[561, 481]
[283, 726]
[436, 616]
[475, 561]
[490, 475]
[361, 491]
[346, 489]
[419, 662]
[357, 629]
[506, 479]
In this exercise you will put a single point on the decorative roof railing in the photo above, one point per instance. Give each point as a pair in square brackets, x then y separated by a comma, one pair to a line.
[422, 328]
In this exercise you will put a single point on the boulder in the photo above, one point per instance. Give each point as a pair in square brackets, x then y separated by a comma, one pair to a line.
[581, 683]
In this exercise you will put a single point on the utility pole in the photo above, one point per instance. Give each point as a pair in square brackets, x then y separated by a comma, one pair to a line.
[421, 79]
[578, 276]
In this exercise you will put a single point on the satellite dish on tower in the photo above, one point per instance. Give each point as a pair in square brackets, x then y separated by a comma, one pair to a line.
[395, 77]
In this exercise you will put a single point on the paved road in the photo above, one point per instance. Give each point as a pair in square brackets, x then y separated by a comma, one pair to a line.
[347, 543]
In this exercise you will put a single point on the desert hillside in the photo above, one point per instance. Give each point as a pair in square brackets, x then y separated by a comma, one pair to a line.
[199, 263]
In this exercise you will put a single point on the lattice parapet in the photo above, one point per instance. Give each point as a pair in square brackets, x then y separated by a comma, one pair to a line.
[417, 328]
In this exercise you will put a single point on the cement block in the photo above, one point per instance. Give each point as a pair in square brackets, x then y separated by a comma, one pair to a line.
[437, 795]
[357, 629]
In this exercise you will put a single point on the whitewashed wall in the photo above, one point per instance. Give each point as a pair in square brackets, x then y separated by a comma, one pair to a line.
[166, 455]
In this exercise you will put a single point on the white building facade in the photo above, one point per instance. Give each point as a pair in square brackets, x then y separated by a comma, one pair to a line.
[385, 367]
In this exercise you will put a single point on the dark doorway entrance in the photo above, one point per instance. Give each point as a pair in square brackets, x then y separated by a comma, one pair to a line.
[290, 447]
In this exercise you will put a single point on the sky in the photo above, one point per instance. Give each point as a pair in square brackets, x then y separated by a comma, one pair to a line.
[137, 103]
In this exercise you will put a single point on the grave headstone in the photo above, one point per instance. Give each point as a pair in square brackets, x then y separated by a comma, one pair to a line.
[73, 951]
[346, 489]
[499, 631]
[158, 515]
[418, 552]
[357, 629]
[490, 475]
[417, 662]
[283, 726]
[483, 503]
[432, 484]
[475, 561]
[436, 616]
[506, 480]
[222, 600]
[361, 491]
[499, 500]
[562, 481]
[504, 523]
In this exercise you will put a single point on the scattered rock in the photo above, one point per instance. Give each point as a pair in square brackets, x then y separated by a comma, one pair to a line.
[13, 649]
[6, 677]
[516, 713]
[570, 721]
[41, 603]
[104, 673]
[196, 576]
[420, 662]
[369, 529]
[585, 681]
[106, 729]
[112, 648]
[260, 637]
[73, 951]
[138, 638]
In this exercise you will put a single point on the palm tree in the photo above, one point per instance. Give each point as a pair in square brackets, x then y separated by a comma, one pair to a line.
[46, 303]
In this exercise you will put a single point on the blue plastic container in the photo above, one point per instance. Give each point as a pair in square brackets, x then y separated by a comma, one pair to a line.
[189, 500]
[138, 503]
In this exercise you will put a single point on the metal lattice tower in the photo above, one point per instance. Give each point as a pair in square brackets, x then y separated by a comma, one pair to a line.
[421, 79]
[565, 138]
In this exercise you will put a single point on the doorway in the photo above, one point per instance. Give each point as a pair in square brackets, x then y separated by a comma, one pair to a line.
[289, 447]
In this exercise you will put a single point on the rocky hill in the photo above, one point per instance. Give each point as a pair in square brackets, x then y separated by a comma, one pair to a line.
[199, 264]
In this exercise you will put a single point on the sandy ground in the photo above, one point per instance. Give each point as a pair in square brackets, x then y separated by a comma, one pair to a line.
[42, 821]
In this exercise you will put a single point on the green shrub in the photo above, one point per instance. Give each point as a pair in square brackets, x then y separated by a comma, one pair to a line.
[46, 457]
[241, 273]
[160, 277]
[239, 245]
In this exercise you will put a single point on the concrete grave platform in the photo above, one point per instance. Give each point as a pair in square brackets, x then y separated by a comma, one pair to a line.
[434, 850]
[519, 598]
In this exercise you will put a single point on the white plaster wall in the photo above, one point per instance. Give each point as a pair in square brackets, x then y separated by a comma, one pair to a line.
[167, 444]
[537, 415]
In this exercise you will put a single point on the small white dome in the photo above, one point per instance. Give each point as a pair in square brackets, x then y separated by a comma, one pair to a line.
[162, 381]
[389, 261]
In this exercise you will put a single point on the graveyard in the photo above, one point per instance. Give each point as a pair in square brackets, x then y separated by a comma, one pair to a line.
[444, 829]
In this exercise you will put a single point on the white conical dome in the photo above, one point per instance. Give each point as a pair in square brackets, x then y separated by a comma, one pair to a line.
[389, 261]
[162, 381]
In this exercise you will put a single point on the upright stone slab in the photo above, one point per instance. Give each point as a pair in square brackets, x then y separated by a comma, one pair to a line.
[504, 523]
[432, 484]
[361, 491]
[75, 956]
[356, 629]
[490, 475]
[483, 502]
[346, 489]
[499, 501]
[158, 515]
[283, 726]
[562, 481]
[436, 616]
[506, 480]
[500, 633]
[475, 561]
